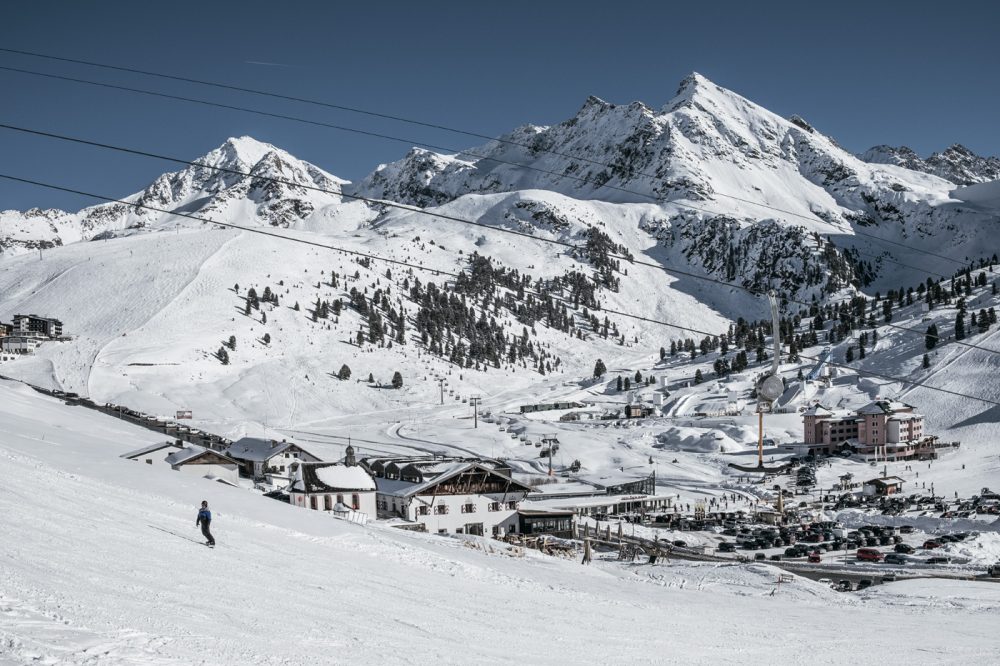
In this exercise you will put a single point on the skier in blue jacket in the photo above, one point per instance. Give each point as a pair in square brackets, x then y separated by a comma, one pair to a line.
[205, 519]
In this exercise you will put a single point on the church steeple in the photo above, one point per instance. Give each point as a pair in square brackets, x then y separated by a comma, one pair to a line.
[349, 458]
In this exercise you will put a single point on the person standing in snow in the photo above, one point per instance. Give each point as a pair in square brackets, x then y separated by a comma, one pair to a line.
[204, 520]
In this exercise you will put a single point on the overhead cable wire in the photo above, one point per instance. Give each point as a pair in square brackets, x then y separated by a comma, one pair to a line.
[424, 268]
[459, 131]
[455, 151]
[452, 218]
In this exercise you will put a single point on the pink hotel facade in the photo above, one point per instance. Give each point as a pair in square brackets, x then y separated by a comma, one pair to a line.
[882, 429]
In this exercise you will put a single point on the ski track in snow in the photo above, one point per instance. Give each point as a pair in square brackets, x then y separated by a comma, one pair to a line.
[87, 580]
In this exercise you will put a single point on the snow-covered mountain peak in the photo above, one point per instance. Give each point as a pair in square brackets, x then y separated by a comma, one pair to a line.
[243, 180]
[237, 152]
[690, 86]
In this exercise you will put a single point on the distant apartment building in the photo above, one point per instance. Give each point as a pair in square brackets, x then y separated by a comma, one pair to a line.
[881, 429]
[31, 325]
[18, 344]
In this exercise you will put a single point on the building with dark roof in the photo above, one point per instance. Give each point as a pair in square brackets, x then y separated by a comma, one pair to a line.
[261, 459]
[449, 495]
[34, 326]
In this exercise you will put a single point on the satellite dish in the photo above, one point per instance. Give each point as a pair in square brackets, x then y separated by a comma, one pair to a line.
[771, 388]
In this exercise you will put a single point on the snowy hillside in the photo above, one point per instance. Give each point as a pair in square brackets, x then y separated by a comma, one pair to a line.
[155, 301]
[100, 566]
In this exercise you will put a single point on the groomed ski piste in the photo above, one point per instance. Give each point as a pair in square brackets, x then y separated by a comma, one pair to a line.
[92, 575]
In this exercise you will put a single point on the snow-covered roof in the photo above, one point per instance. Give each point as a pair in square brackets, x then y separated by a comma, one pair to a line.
[342, 476]
[570, 503]
[331, 477]
[193, 452]
[884, 407]
[817, 410]
[152, 448]
[885, 480]
[613, 478]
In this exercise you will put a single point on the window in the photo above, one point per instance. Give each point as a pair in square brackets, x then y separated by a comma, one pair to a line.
[511, 505]
[494, 506]
[149, 461]
[340, 499]
[313, 503]
[328, 503]
[468, 508]
[441, 509]
[355, 501]
[423, 510]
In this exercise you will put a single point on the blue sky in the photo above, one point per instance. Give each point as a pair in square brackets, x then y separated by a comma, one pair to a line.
[915, 73]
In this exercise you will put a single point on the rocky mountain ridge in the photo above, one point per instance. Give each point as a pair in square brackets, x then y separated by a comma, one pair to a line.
[956, 163]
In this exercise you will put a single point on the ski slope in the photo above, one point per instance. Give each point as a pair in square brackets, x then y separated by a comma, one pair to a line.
[98, 569]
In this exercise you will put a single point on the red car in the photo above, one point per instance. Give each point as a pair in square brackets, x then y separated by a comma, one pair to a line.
[870, 555]
[814, 557]
[930, 544]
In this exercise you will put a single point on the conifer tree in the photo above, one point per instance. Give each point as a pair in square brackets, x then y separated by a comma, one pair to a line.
[927, 361]
[931, 338]
[599, 368]
[345, 372]
[397, 380]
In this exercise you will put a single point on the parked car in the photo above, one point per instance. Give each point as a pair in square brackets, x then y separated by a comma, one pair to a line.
[727, 547]
[904, 548]
[869, 555]
[930, 544]
[680, 544]
[815, 557]
[895, 558]
[759, 556]
[938, 559]
[889, 578]
[865, 583]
